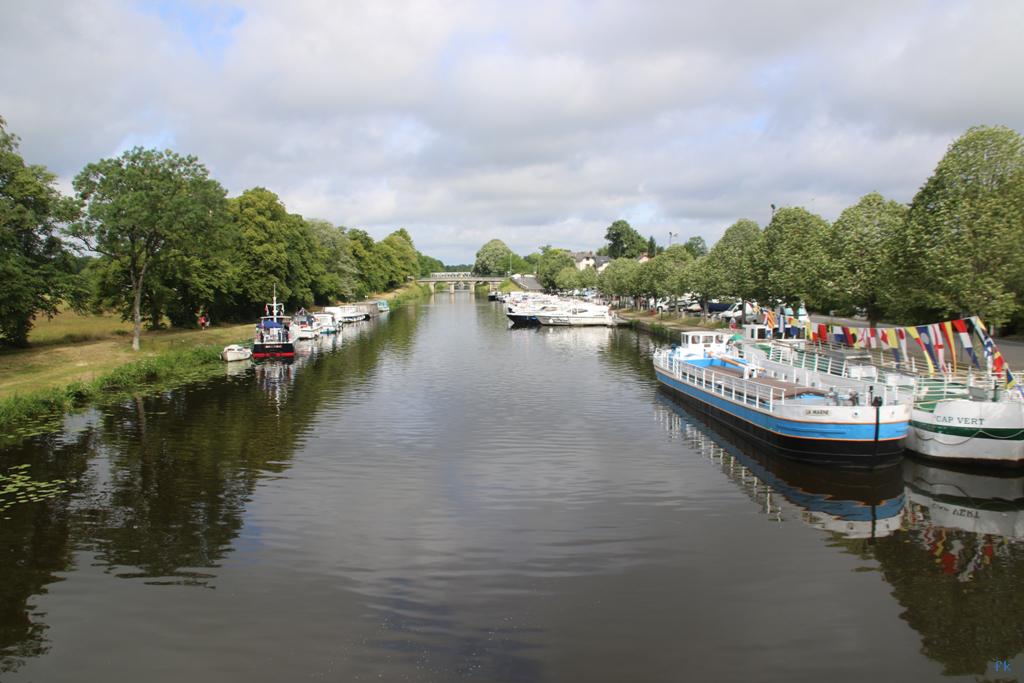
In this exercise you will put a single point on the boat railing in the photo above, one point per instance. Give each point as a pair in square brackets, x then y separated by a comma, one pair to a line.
[738, 389]
[926, 387]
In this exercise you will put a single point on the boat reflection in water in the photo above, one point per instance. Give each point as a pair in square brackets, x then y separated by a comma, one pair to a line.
[866, 504]
[944, 502]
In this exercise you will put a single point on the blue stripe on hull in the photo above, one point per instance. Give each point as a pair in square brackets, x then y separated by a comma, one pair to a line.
[790, 430]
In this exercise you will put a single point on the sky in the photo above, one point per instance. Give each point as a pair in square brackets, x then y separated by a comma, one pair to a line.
[531, 122]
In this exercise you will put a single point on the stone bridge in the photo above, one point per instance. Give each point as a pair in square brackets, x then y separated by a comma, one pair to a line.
[463, 278]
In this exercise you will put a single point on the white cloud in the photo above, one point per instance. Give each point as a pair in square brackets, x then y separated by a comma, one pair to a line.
[537, 122]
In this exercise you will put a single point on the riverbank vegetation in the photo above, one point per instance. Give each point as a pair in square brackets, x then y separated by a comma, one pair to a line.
[957, 249]
[41, 407]
[152, 237]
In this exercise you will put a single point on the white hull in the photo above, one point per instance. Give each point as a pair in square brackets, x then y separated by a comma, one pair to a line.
[235, 353]
[564, 319]
[960, 429]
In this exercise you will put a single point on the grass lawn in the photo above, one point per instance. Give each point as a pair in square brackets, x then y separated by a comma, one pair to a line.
[76, 348]
[79, 348]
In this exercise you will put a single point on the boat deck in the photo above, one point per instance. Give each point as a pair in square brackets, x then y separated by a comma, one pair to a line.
[789, 389]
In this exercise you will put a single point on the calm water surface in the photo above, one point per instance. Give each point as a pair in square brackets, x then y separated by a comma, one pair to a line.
[435, 497]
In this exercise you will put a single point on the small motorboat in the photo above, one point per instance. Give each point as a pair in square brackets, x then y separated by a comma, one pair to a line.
[234, 352]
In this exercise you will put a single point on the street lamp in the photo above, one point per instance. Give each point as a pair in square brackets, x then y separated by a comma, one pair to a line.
[773, 210]
[670, 236]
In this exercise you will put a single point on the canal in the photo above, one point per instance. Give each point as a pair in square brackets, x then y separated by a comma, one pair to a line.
[435, 497]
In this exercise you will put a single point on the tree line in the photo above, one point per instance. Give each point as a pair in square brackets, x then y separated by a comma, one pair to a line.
[956, 250]
[152, 235]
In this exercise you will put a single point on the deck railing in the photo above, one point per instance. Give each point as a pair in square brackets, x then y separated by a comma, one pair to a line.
[747, 391]
[947, 384]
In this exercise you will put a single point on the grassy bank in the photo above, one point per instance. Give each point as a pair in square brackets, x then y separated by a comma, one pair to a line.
[74, 360]
[409, 293]
[25, 413]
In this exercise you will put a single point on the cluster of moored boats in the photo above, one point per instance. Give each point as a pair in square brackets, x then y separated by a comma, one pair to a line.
[277, 333]
[528, 308]
[818, 402]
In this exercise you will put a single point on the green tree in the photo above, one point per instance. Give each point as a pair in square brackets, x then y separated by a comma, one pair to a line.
[861, 265]
[696, 246]
[398, 258]
[338, 280]
[962, 247]
[703, 281]
[140, 206]
[550, 263]
[624, 241]
[731, 268]
[794, 257]
[567, 279]
[587, 278]
[621, 277]
[494, 258]
[372, 270]
[429, 264]
[277, 250]
[34, 265]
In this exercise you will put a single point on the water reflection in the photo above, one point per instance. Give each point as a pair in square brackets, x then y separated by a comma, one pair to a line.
[857, 504]
[162, 482]
[949, 542]
[958, 569]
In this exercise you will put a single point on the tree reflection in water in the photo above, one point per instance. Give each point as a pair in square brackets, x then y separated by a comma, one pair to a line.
[162, 481]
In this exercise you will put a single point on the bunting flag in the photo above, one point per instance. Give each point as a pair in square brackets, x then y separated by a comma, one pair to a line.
[915, 334]
[991, 352]
[901, 335]
[848, 335]
[769, 319]
[935, 334]
[822, 332]
[963, 332]
[1012, 383]
[947, 331]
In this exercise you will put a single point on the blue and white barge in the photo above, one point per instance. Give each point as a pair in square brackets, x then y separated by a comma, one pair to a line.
[805, 415]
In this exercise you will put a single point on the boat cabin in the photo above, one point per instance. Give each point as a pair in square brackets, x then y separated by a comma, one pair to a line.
[756, 332]
[701, 343]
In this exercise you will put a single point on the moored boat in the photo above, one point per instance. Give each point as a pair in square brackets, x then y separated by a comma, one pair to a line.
[306, 325]
[806, 415]
[965, 417]
[383, 306]
[346, 314]
[578, 314]
[275, 337]
[235, 352]
[326, 322]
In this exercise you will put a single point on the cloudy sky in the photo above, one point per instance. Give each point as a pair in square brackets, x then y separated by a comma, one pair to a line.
[534, 122]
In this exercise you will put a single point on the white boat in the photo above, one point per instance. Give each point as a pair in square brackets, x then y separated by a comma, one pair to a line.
[346, 314]
[965, 417]
[578, 314]
[305, 324]
[327, 323]
[235, 352]
[803, 414]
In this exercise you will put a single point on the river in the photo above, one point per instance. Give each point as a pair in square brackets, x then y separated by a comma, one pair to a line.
[435, 497]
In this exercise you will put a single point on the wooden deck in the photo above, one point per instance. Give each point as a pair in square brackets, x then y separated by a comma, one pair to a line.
[790, 390]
